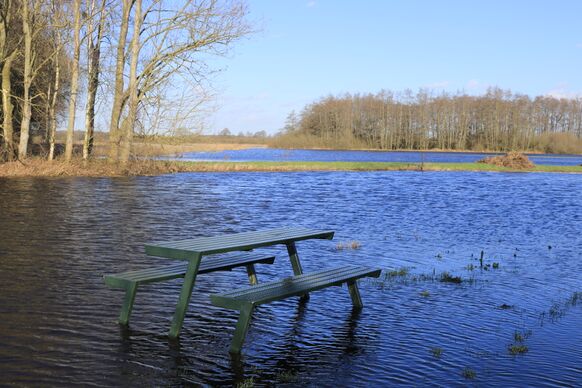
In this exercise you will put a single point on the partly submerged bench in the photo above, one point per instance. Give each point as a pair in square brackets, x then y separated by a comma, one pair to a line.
[130, 280]
[245, 299]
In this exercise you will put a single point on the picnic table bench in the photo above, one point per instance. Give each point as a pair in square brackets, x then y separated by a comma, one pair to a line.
[130, 280]
[194, 252]
[245, 299]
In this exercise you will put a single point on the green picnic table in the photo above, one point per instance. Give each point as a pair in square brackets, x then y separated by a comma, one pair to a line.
[197, 252]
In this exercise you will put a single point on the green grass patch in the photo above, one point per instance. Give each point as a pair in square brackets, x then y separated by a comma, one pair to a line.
[358, 166]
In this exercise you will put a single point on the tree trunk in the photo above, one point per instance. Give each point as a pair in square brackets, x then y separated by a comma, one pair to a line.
[53, 105]
[114, 131]
[94, 52]
[127, 136]
[74, 82]
[26, 103]
[7, 106]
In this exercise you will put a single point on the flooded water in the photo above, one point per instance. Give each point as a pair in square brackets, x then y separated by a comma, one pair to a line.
[59, 236]
[274, 154]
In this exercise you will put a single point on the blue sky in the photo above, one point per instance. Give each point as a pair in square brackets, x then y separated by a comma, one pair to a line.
[309, 49]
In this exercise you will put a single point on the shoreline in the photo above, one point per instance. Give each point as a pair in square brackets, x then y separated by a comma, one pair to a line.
[101, 168]
[432, 150]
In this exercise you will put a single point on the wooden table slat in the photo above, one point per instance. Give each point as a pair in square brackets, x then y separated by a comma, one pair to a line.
[184, 249]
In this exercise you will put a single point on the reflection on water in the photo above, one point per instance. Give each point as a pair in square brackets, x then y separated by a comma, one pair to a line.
[274, 154]
[59, 236]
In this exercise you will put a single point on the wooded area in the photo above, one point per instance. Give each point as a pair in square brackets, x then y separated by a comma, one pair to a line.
[123, 56]
[499, 120]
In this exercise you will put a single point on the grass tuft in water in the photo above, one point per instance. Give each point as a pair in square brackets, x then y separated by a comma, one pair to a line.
[247, 383]
[469, 373]
[436, 352]
[425, 294]
[287, 376]
[575, 298]
[520, 336]
[516, 349]
[505, 306]
[403, 271]
[448, 278]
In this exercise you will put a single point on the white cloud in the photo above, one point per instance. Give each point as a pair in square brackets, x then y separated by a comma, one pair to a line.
[473, 84]
[311, 4]
[437, 85]
[561, 91]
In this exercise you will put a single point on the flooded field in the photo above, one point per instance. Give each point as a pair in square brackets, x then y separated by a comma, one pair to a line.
[279, 155]
[482, 280]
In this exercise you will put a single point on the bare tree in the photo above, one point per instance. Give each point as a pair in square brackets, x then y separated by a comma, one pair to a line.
[74, 79]
[8, 53]
[58, 26]
[28, 59]
[118, 92]
[36, 56]
[498, 120]
[129, 122]
[98, 13]
[173, 40]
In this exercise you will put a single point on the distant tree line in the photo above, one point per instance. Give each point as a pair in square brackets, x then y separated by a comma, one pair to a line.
[497, 120]
[134, 57]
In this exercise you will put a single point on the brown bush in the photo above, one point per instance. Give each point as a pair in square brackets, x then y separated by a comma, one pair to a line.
[512, 159]
[559, 143]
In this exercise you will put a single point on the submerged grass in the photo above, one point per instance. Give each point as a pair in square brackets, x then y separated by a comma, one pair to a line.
[436, 352]
[287, 376]
[247, 383]
[448, 278]
[516, 349]
[469, 373]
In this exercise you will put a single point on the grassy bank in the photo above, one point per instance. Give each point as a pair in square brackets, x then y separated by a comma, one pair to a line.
[362, 166]
[98, 168]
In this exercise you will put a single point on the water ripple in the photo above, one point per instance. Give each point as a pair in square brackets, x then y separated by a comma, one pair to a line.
[59, 236]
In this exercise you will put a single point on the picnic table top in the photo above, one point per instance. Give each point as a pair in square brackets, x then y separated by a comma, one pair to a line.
[187, 249]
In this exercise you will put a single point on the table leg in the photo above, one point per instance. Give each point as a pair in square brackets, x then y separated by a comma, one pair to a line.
[252, 275]
[355, 294]
[295, 263]
[185, 295]
[242, 326]
[127, 304]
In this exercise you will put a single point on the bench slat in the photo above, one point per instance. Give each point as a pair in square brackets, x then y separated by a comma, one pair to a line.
[293, 286]
[150, 275]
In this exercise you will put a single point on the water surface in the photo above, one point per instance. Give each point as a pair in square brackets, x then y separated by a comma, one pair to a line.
[274, 154]
[59, 236]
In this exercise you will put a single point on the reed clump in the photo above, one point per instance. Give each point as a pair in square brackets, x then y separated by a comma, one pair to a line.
[448, 278]
[514, 160]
